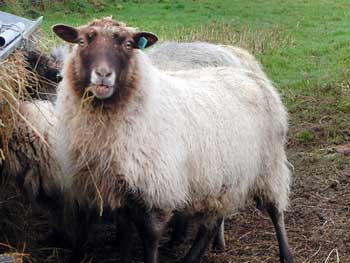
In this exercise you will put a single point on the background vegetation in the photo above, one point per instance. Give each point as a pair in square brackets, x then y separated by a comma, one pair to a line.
[312, 35]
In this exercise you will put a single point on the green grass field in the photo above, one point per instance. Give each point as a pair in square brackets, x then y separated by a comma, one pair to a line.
[312, 35]
[304, 46]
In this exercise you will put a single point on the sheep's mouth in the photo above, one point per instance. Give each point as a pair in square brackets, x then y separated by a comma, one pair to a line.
[102, 91]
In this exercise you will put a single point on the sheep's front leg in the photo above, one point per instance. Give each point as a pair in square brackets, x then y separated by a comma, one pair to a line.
[180, 227]
[205, 234]
[124, 235]
[150, 225]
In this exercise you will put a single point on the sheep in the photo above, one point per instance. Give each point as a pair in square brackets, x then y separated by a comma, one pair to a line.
[32, 161]
[30, 158]
[177, 56]
[46, 69]
[171, 56]
[149, 143]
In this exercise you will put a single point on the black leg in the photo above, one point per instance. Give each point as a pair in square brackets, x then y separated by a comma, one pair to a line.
[124, 235]
[205, 234]
[180, 227]
[278, 221]
[150, 225]
[77, 222]
[219, 240]
[259, 203]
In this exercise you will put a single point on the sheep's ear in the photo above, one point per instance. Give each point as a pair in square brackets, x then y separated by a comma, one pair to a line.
[144, 39]
[67, 33]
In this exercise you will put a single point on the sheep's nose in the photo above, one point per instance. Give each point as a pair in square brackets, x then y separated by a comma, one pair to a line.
[103, 75]
[103, 72]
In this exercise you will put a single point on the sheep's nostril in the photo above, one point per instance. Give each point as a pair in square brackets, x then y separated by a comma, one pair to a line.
[103, 73]
[103, 76]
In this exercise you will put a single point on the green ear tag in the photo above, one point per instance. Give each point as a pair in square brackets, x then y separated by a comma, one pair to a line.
[142, 43]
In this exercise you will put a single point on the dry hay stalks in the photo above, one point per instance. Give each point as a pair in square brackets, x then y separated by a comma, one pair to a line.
[14, 78]
[19, 80]
[17, 83]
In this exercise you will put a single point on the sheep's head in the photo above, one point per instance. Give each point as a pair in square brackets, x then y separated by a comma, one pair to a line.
[104, 55]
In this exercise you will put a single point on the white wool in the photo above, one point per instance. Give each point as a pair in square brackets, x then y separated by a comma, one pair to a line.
[174, 56]
[181, 55]
[205, 139]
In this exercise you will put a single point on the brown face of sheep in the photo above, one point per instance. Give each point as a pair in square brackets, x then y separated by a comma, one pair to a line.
[103, 57]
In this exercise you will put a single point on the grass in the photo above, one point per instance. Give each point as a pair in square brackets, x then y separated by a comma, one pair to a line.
[319, 29]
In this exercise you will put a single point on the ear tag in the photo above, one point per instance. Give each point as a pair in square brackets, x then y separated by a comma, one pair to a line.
[142, 43]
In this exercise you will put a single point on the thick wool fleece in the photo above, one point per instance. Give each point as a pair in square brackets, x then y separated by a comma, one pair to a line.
[205, 139]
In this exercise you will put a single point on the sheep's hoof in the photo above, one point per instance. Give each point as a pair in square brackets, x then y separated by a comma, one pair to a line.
[219, 247]
[287, 258]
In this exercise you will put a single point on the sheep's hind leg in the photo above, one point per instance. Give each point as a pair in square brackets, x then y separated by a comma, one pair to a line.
[277, 219]
[219, 243]
[179, 232]
[150, 226]
[205, 234]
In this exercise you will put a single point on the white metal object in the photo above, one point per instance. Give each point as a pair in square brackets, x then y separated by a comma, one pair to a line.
[14, 31]
[9, 19]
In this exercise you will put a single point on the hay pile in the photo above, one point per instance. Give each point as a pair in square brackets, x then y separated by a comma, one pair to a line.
[14, 78]
[22, 77]
[26, 74]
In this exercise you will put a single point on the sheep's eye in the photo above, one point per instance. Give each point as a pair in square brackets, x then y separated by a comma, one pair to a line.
[81, 42]
[90, 37]
[128, 44]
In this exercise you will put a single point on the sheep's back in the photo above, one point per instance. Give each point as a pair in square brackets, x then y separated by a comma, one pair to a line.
[175, 56]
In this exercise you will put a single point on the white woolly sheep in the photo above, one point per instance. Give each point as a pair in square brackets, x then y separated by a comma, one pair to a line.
[203, 141]
[179, 56]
